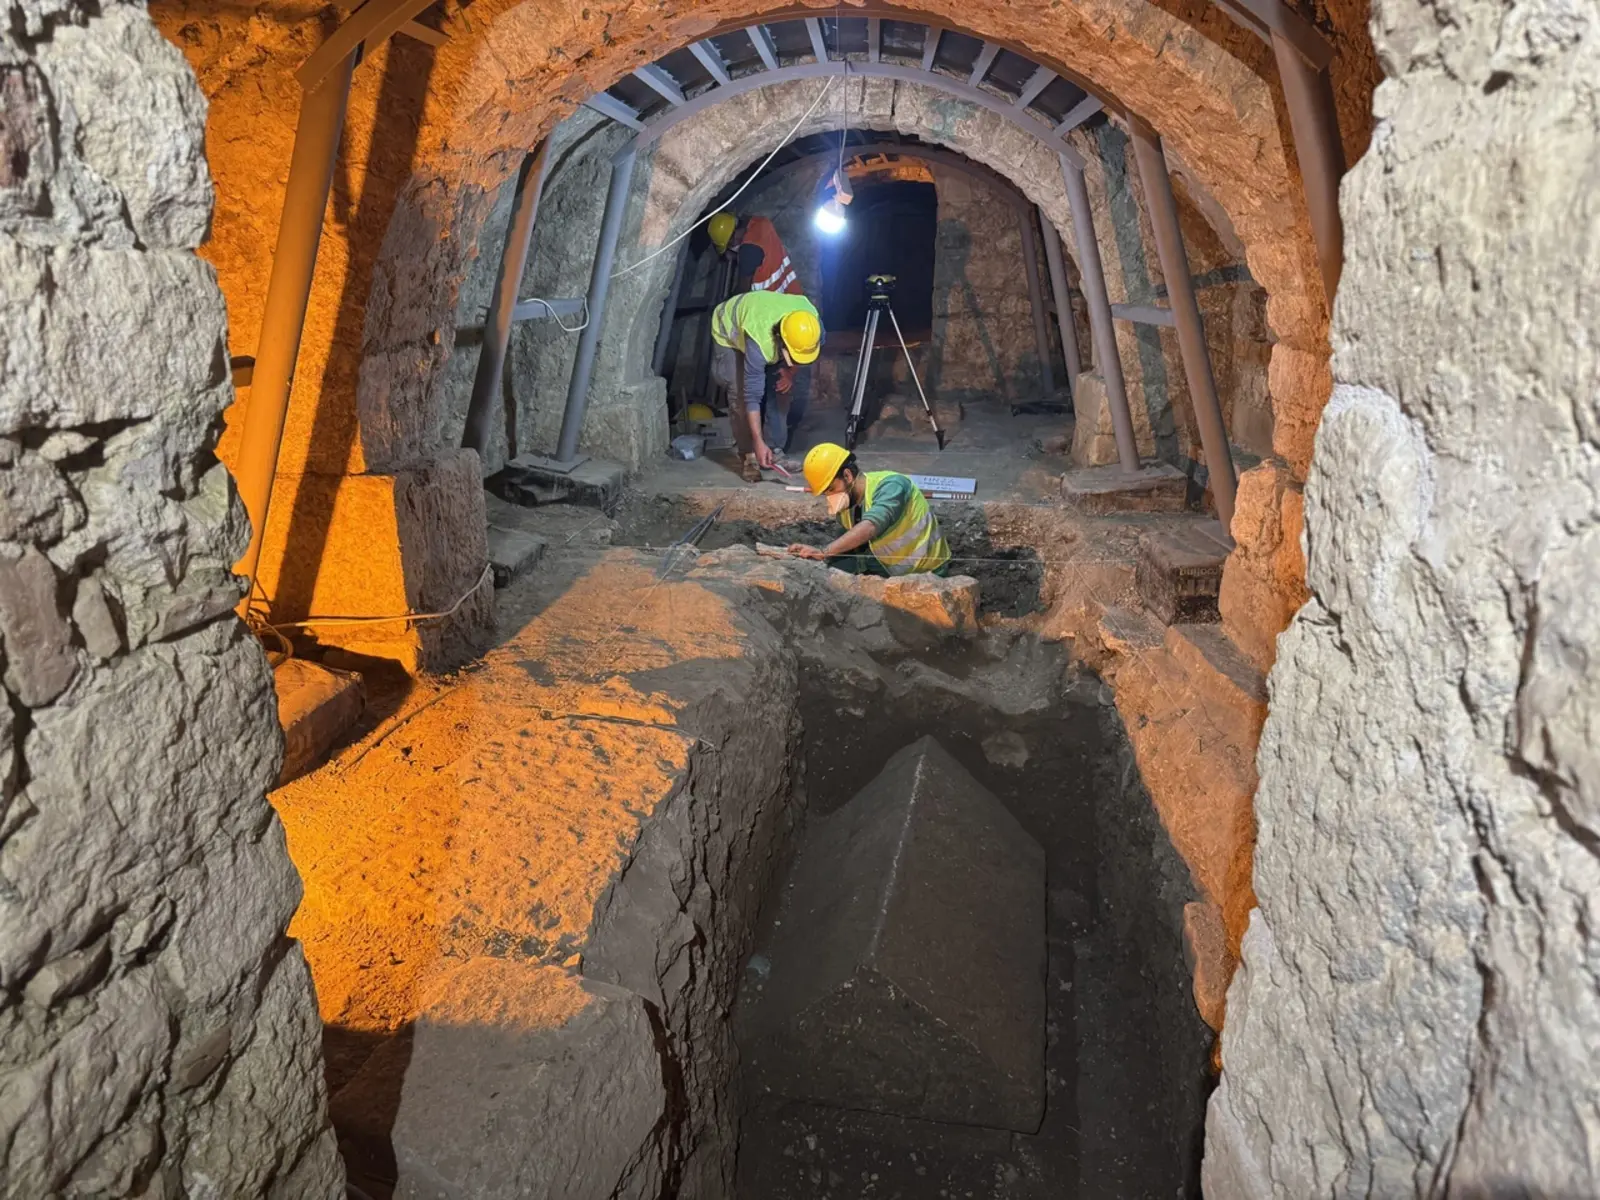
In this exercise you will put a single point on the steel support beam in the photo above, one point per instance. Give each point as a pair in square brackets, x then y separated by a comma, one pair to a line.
[762, 41]
[1025, 121]
[608, 105]
[503, 300]
[1063, 295]
[294, 263]
[711, 60]
[669, 311]
[661, 83]
[1092, 275]
[1144, 314]
[1041, 328]
[818, 46]
[1163, 210]
[599, 288]
[986, 57]
[1078, 114]
[930, 45]
[1042, 78]
[874, 39]
[1308, 94]
[1003, 187]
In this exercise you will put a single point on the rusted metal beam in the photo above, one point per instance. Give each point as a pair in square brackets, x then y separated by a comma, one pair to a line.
[1092, 275]
[1163, 212]
[294, 263]
[1308, 95]
[503, 300]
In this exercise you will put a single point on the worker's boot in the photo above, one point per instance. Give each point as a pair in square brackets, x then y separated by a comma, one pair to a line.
[751, 469]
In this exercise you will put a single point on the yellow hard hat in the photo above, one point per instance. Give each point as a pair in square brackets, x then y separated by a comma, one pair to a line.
[721, 229]
[699, 412]
[822, 465]
[802, 334]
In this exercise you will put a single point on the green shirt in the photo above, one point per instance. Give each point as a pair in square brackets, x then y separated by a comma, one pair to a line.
[889, 500]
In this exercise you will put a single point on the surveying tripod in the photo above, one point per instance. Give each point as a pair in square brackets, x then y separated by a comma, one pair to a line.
[879, 288]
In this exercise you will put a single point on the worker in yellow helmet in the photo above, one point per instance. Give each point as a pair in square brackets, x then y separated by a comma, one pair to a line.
[889, 529]
[759, 329]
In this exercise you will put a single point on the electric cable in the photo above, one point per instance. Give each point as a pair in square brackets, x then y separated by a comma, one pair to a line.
[756, 174]
[314, 622]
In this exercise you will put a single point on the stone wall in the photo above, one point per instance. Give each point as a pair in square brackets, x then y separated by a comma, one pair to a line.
[1417, 1011]
[158, 1035]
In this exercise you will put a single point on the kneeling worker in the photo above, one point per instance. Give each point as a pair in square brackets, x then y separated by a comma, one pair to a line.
[762, 328]
[880, 510]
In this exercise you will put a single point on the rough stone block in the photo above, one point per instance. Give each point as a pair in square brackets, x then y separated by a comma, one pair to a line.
[530, 480]
[512, 552]
[1231, 689]
[1180, 571]
[317, 705]
[933, 604]
[908, 970]
[1155, 487]
[523, 1080]
[1128, 631]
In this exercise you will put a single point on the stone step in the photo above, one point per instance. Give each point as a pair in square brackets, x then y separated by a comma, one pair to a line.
[1180, 570]
[1129, 631]
[513, 552]
[531, 480]
[1155, 487]
[317, 706]
[1230, 689]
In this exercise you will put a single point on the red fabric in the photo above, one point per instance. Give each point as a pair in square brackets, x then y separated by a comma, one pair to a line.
[776, 273]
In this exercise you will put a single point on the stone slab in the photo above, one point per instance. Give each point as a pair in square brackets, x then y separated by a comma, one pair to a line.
[1129, 631]
[908, 967]
[1180, 571]
[1155, 487]
[1230, 686]
[530, 480]
[513, 552]
[317, 705]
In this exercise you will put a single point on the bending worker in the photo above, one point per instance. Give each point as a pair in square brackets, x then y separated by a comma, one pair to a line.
[761, 329]
[882, 511]
[762, 264]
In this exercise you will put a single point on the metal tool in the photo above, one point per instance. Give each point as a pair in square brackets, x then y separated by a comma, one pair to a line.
[879, 289]
[688, 543]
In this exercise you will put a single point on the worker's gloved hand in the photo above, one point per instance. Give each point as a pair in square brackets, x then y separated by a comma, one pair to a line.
[764, 455]
[810, 552]
[785, 380]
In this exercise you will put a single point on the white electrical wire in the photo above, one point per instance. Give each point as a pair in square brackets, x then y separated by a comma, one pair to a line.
[317, 622]
[556, 317]
[756, 174]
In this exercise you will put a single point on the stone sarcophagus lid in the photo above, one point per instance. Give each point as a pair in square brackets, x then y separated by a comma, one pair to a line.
[908, 966]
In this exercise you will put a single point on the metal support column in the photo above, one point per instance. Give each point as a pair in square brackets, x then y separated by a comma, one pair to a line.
[1104, 336]
[599, 287]
[669, 310]
[497, 325]
[1308, 93]
[294, 264]
[1058, 286]
[1186, 314]
[1041, 327]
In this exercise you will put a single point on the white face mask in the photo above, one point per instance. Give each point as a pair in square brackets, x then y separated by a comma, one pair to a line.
[837, 502]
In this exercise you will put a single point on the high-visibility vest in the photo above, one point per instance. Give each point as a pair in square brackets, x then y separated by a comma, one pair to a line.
[913, 544]
[755, 315]
[776, 273]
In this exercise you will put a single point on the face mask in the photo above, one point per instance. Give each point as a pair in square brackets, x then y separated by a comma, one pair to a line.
[837, 502]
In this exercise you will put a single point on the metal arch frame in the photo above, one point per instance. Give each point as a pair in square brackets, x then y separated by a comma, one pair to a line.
[949, 158]
[1051, 137]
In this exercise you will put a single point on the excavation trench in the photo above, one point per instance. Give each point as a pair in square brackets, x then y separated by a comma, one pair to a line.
[544, 897]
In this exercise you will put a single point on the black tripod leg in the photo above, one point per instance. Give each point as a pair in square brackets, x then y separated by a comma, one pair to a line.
[926, 407]
[863, 368]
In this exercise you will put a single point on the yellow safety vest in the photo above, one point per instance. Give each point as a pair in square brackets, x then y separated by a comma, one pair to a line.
[913, 544]
[755, 315]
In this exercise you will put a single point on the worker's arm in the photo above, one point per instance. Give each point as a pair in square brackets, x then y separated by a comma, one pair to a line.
[857, 536]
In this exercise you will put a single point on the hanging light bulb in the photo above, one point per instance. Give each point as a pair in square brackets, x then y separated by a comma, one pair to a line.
[830, 218]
